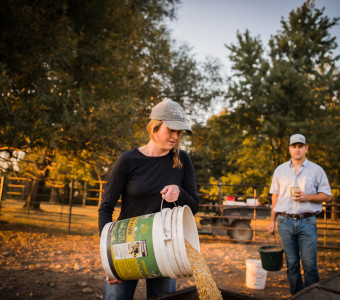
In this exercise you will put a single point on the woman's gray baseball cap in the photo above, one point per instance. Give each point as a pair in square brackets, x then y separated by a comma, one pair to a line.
[172, 115]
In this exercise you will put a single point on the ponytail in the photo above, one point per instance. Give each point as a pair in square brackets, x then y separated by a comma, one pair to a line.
[175, 156]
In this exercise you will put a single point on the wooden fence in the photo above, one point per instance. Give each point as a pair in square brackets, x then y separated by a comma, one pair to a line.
[223, 213]
[245, 217]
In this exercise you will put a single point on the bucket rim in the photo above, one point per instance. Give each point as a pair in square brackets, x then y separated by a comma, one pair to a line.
[268, 247]
[254, 261]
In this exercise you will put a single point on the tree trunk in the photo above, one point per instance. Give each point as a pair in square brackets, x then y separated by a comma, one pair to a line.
[54, 195]
[37, 189]
[30, 193]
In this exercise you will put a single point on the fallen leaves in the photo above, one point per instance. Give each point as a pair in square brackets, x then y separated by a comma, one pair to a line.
[55, 265]
[49, 251]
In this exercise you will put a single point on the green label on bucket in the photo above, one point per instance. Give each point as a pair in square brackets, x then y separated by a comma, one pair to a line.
[132, 248]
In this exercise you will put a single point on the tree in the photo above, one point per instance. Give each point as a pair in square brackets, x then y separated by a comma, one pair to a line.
[292, 90]
[36, 50]
[222, 149]
[192, 84]
[213, 145]
[77, 77]
[75, 71]
[294, 87]
[86, 75]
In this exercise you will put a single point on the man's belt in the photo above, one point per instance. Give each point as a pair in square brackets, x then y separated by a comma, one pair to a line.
[297, 216]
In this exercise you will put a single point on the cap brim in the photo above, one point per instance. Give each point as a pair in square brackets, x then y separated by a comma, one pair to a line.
[298, 142]
[178, 125]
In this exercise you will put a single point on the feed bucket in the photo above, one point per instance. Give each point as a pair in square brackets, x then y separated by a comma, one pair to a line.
[271, 257]
[149, 246]
[255, 275]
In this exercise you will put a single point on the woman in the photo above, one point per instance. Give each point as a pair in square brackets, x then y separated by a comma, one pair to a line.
[145, 175]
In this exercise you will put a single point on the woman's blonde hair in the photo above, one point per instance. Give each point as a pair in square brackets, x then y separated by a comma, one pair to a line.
[152, 127]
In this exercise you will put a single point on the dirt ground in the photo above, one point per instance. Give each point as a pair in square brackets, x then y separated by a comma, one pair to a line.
[36, 263]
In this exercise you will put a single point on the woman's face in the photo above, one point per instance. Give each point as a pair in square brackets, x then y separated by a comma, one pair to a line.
[166, 138]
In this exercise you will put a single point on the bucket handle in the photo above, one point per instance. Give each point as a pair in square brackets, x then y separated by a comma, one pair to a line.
[273, 234]
[162, 217]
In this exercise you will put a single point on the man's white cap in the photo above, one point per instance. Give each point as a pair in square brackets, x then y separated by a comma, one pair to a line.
[297, 138]
[172, 115]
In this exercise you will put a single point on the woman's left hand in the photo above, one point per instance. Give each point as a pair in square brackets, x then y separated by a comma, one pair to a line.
[170, 193]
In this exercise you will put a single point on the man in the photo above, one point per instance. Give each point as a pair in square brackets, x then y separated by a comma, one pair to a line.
[298, 189]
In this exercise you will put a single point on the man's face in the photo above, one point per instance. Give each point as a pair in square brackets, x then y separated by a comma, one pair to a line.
[298, 151]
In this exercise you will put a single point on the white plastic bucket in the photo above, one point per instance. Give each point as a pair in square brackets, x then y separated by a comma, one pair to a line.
[149, 246]
[256, 276]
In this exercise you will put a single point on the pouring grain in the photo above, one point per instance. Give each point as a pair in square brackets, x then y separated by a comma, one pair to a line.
[206, 286]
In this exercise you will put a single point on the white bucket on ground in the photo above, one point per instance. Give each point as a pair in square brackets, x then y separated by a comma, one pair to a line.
[149, 246]
[256, 276]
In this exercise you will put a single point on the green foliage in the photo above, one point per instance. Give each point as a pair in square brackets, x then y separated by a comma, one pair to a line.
[213, 144]
[253, 163]
[194, 85]
[226, 186]
[34, 70]
[233, 186]
[79, 79]
[294, 89]
[79, 75]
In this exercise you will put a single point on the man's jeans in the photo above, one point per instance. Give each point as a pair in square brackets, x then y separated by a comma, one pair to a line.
[299, 239]
[126, 289]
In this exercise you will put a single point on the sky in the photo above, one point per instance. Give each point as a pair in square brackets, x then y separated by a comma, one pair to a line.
[207, 25]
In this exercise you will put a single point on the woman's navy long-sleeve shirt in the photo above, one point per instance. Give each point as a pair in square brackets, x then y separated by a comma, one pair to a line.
[138, 179]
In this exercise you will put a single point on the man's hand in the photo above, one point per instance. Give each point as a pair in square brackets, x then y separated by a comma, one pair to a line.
[300, 196]
[316, 198]
[271, 227]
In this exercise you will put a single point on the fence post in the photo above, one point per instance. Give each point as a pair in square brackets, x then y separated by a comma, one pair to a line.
[62, 202]
[255, 202]
[324, 208]
[100, 192]
[70, 210]
[84, 193]
[220, 195]
[1, 189]
[334, 209]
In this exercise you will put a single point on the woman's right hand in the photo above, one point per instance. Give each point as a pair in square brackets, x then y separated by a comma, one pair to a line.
[170, 193]
[112, 281]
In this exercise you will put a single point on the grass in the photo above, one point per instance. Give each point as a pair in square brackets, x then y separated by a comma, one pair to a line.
[84, 219]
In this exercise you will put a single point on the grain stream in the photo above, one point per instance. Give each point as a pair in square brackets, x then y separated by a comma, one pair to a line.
[205, 284]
